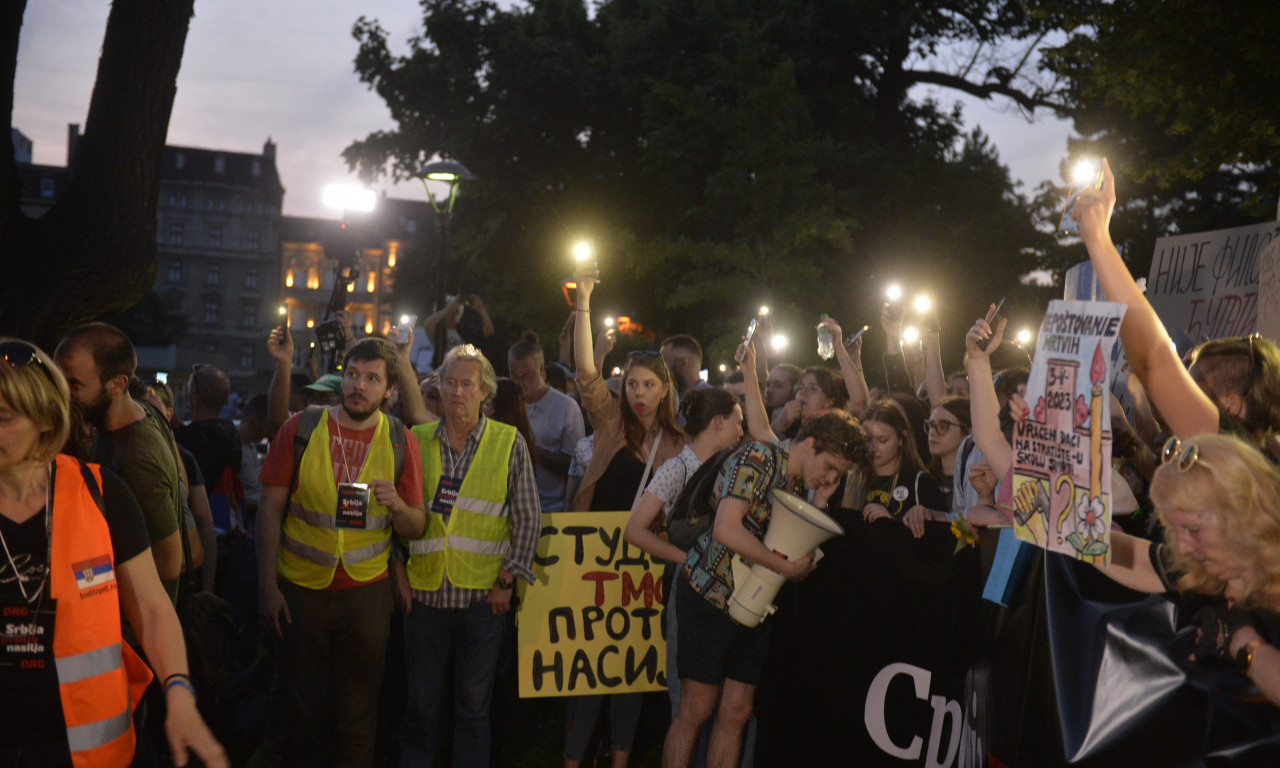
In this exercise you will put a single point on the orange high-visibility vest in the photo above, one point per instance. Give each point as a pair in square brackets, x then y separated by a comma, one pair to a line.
[94, 665]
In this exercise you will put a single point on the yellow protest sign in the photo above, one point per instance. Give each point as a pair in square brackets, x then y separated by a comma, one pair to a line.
[595, 620]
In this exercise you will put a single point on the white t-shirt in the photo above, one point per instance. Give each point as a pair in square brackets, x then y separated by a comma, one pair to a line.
[557, 427]
[670, 478]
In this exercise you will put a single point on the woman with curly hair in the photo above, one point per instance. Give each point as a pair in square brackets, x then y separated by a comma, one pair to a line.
[818, 390]
[1219, 500]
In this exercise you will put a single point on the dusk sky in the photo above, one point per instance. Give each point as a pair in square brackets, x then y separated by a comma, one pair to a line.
[282, 69]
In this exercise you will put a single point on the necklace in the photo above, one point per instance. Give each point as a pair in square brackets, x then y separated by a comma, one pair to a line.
[342, 449]
[48, 533]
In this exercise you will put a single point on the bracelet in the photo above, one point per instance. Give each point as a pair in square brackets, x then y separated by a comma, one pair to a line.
[583, 311]
[182, 675]
[173, 680]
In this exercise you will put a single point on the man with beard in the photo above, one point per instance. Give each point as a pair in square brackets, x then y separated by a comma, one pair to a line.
[554, 418]
[132, 441]
[347, 474]
[482, 528]
[683, 355]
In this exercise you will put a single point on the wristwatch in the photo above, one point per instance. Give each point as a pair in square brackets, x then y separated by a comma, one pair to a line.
[505, 583]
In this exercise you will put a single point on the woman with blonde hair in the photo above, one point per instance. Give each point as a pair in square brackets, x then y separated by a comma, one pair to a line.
[1219, 500]
[74, 554]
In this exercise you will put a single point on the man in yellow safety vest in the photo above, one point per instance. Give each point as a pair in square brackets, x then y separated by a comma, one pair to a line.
[325, 521]
[483, 522]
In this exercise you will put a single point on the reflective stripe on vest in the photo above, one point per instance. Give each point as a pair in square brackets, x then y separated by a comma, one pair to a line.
[471, 547]
[311, 543]
[93, 681]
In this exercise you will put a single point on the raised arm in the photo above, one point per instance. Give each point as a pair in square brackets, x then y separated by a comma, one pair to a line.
[583, 352]
[983, 403]
[935, 381]
[1184, 406]
[280, 347]
[415, 409]
[850, 367]
[753, 401]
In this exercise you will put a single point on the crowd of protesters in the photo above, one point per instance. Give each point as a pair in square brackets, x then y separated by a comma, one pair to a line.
[414, 486]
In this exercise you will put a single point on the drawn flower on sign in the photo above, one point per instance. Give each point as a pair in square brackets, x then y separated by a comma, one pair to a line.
[1091, 522]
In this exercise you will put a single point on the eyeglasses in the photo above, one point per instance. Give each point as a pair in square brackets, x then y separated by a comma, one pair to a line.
[940, 426]
[195, 377]
[1187, 457]
[20, 354]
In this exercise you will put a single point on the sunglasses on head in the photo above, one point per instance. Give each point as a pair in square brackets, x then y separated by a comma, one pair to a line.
[1185, 456]
[20, 354]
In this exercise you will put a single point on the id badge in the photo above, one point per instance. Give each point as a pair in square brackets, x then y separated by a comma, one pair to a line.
[446, 495]
[353, 506]
[26, 634]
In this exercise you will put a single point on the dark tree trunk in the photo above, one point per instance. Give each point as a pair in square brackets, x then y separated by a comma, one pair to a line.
[94, 252]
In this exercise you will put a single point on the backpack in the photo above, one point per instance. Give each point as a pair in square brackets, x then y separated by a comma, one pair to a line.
[310, 419]
[695, 509]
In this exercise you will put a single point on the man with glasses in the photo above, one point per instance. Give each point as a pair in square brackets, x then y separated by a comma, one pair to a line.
[720, 661]
[133, 441]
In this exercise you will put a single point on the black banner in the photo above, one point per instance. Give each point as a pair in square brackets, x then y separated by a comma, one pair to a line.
[887, 656]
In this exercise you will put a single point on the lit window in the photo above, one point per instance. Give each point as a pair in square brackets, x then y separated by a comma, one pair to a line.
[368, 327]
[311, 323]
[313, 278]
[351, 287]
[288, 279]
[371, 284]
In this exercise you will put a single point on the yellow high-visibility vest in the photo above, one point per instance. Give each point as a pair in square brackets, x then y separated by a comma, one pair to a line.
[311, 543]
[471, 546]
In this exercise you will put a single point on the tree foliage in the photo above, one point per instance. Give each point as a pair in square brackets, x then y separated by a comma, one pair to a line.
[721, 154]
[1181, 97]
[94, 252]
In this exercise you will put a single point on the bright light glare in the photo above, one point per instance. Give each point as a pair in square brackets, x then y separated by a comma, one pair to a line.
[779, 342]
[616, 371]
[910, 334]
[723, 367]
[1085, 174]
[608, 322]
[283, 310]
[893, 292]
[404, 319]
[764, 310]
[1024, 336]
[922, 303]
[349, 197]
[582, 251]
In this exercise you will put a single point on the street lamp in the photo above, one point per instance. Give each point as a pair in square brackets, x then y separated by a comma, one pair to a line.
[453, 173]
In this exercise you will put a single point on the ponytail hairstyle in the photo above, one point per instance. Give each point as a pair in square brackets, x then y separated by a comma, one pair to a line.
[701, 406]
[528, 346]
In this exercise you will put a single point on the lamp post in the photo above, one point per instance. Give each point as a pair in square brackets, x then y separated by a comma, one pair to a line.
[453, 173]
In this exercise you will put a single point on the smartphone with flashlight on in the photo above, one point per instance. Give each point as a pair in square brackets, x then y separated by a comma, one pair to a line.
[991, 318]
[401, 332]
[283, 312]
[849, 342]
[1086, 173]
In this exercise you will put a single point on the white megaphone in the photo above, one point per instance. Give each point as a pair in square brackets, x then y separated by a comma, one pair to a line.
[796, 528]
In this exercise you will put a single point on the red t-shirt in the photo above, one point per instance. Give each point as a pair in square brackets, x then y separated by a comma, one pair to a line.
[348, 455]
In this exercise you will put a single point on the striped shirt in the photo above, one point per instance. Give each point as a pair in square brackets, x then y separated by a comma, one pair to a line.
[521, 509]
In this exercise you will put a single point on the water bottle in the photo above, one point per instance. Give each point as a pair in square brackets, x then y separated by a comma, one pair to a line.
[826, 350]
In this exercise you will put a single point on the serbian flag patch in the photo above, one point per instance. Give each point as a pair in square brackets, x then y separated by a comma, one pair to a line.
[94, 573]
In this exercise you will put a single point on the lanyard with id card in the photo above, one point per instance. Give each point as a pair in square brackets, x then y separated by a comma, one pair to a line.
[446, 495]
[353, 506]
[26, 634]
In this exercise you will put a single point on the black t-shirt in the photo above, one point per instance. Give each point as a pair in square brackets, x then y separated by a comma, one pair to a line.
[899, 494]
[30, 709]
[616, 488]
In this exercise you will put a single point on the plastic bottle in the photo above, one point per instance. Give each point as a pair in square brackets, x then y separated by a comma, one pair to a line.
[826, 349]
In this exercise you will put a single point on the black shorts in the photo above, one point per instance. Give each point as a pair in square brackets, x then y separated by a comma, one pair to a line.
[712, 646]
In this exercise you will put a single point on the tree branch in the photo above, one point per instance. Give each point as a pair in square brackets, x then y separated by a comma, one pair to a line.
[1028, 101]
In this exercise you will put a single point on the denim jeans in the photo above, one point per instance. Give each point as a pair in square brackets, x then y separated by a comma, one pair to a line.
[472, 637]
